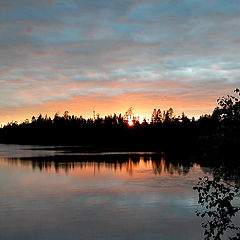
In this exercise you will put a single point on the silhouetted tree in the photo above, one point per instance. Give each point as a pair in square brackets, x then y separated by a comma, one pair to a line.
[217, 197]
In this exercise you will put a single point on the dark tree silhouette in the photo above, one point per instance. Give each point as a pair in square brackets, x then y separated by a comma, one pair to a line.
[217, 196]
[211, 135]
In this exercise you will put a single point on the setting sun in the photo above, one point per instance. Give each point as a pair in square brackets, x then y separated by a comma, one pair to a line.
[112, 112]
[130, 123]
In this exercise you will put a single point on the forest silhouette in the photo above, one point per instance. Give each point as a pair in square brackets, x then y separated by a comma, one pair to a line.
[212, 141]
[214, 135]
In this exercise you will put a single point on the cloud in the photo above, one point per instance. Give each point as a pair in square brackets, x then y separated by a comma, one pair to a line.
[55, 50]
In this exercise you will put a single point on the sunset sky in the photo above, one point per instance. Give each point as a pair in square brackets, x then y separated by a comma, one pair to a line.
[109, 55]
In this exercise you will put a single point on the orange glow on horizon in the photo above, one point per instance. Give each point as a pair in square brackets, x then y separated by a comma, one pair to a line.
[130, 123]
[84, 106]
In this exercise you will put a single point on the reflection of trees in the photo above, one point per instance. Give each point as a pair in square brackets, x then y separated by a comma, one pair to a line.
[170, 165]
[217, 196]
[130, 162]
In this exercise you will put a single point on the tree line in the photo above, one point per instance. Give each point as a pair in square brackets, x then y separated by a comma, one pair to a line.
[211, 132]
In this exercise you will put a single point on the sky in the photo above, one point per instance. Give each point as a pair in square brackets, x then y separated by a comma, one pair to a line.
[107, 56]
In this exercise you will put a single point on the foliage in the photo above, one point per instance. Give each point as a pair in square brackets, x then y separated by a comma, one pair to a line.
[217, 196]
[229, 107]
[228, 116]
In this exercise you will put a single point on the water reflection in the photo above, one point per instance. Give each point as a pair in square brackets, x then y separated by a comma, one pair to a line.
[128, 196]
[95, 196]
[158, 163]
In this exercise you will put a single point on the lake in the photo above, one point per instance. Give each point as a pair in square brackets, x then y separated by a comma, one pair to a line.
[53, 194]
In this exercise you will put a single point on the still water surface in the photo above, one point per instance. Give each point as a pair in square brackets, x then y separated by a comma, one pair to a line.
[43, 196]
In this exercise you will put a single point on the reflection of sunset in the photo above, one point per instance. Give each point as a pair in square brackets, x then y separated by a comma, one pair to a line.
[103, 189]
[126, 169]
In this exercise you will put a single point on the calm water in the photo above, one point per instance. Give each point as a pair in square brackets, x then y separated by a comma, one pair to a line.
[106, 196]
